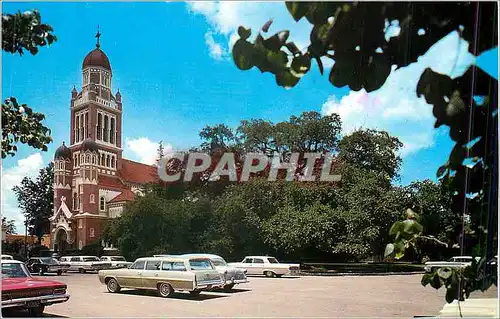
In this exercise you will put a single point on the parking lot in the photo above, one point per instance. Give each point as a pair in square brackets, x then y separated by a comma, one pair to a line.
[348, 296]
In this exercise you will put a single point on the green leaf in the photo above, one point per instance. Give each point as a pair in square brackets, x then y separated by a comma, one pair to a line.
[389, 249]
[292, 48]
[286, 79]
[243, 54]
[300, 65]
[275, 42]
[399, 248]
[436, 282]
[266, 26]
[426, 279]
[451, 293]
[297, 9]
[244, 33]
[396, 227]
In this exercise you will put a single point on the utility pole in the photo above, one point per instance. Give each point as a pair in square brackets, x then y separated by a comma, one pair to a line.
[26, 237]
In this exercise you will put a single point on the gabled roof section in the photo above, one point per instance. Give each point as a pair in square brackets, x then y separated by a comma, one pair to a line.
[138, 173]
[125, 196]
[111, 182]
[62, 209]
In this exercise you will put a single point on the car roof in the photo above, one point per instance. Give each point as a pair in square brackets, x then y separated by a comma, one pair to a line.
[12, 261]
[259, 257]
[171, 258]
[212, 256]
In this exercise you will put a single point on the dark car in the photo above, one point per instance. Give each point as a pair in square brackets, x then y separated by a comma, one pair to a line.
[42, 265]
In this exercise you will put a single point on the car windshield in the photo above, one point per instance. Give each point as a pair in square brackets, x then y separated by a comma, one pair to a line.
[273, 260]
[119, 258]
[48, 260]
[14, 270]
[219, 262]
[200, 264]
[90, 259]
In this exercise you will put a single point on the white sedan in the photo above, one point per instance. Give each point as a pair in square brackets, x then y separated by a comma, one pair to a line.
[266, 265]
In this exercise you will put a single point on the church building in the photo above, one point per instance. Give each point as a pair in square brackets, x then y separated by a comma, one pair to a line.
[92, 181]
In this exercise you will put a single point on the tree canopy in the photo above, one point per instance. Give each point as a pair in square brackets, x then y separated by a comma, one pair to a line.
[23, 32]
[36, 200]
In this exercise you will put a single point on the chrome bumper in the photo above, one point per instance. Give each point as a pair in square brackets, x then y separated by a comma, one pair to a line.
[44, 300]
[209, 285]
[57, 268]
[236, 281]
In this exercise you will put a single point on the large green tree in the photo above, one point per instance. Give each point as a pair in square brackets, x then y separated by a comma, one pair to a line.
[36, 200]
[23, 32]
[354, 36]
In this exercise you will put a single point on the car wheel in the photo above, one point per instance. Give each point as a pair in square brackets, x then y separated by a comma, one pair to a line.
[165, 290]
[36, 311]
[81, 270]
[113, 285]
[228, 288]
[279, 276]
[59, 272]
[269, 274]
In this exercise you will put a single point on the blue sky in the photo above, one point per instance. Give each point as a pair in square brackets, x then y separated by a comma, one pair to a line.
[172, 64]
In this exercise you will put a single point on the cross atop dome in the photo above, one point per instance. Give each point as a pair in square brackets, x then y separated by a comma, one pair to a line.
[98, 36]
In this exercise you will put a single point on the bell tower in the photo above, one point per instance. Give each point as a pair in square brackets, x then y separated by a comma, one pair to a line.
[96, 114]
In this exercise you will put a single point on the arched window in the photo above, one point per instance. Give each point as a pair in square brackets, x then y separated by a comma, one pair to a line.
[92, 198]
[80, 245]
[107, 161]
[88, 159]
[91, 232]
[112, 131]
[102, 203]
[77, 131]
[75, 201]
[112, 161]
[106, 128]
[99, 126]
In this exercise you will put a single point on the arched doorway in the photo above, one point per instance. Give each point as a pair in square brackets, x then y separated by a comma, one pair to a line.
[61, 241]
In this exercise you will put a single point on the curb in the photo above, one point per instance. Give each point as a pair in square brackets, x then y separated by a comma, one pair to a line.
[323, 274]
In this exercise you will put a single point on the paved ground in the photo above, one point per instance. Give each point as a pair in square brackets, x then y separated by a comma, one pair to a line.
[350, 296]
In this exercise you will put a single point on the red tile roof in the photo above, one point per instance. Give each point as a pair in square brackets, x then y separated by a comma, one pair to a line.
[111, 182]
[138, 173]
[125, 196]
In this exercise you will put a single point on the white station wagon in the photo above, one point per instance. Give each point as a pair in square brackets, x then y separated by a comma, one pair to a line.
[83, 264]
[266, 265]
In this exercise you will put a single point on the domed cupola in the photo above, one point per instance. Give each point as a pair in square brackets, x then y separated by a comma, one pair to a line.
[63, 152]
[96, 58]
[89, 145]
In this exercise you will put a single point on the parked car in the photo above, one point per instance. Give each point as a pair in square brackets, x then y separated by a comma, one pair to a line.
[7, 257]
[453, 262]
[116, 261]
[266, 265]
[164, 274]
[42, 265]
[232, 275]
[83, 264]
[21, 291]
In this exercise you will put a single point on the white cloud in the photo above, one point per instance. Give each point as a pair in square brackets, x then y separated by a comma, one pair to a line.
[395, 107]
[145, 150]
[224, 18]
[12, 176]
[215, 50]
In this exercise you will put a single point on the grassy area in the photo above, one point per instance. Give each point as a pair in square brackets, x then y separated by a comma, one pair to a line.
[360, 267]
